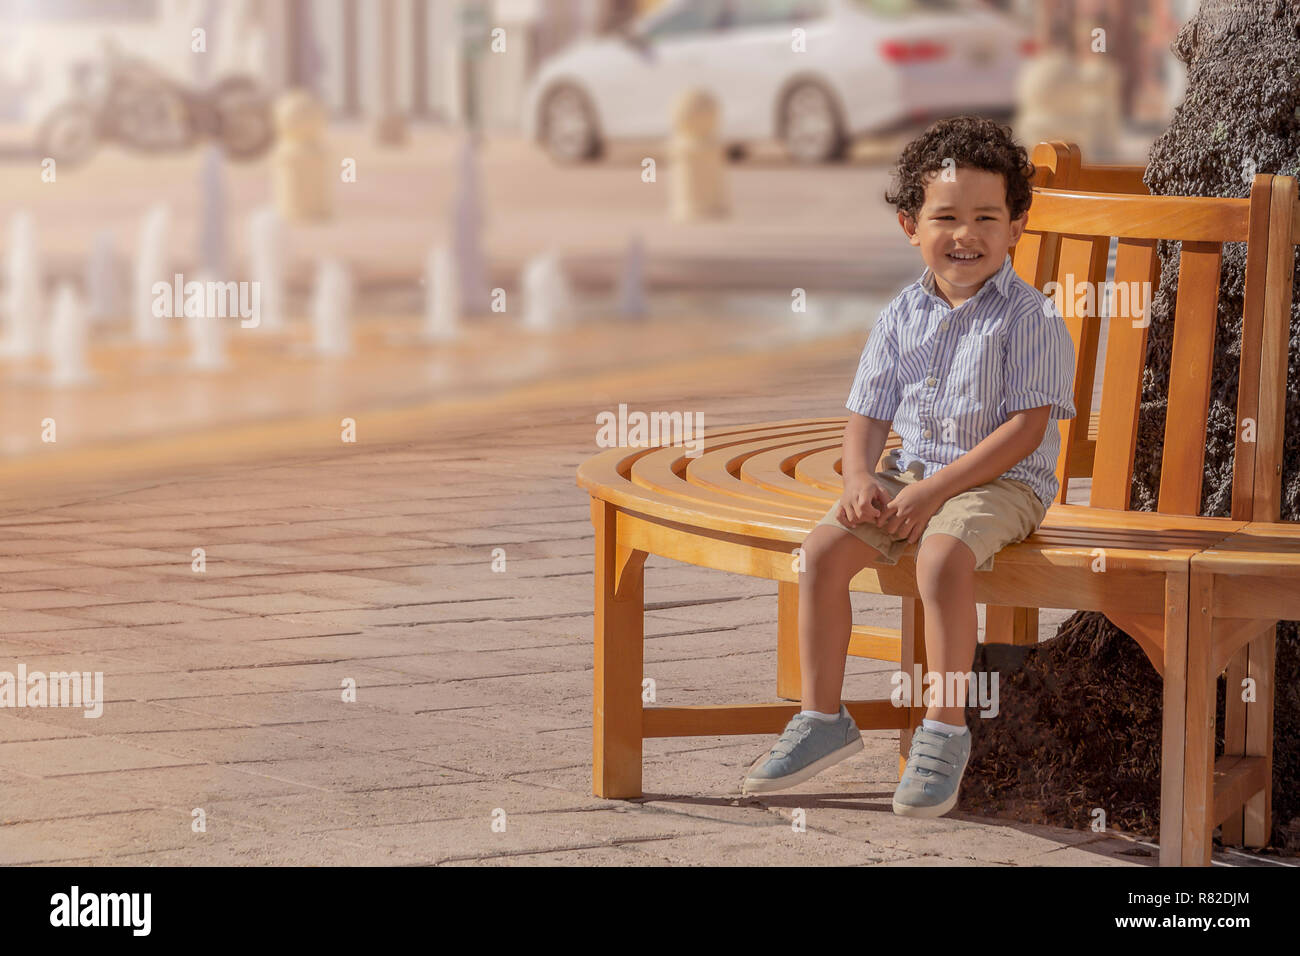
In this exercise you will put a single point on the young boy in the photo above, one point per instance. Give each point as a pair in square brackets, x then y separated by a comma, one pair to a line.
[969, 364]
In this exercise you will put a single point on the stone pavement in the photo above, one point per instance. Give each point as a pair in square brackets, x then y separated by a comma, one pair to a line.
[373, 563]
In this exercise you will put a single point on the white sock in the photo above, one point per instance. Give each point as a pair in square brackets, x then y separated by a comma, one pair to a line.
[819, 715]
[929, 724]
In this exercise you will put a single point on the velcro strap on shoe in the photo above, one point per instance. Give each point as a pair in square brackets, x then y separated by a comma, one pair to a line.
[925, 762]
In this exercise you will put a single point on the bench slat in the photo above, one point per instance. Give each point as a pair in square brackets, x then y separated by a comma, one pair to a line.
[1186, 218]
[1191, 370]
[1136, 266]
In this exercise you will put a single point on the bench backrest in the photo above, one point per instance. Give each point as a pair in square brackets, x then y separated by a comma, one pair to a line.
[1067, 241]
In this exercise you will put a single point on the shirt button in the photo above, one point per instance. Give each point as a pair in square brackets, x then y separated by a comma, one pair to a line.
[931, 380]
[943, 324]
[926, 433]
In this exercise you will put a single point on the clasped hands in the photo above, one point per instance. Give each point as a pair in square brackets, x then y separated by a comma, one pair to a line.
[904, 516]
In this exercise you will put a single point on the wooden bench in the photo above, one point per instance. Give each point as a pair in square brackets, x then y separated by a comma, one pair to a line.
[753, 496]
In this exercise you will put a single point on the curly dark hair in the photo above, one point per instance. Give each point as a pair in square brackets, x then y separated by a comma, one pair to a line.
[973, 142]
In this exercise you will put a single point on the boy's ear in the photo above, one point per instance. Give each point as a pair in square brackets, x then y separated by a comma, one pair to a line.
[909, 227]
[1018, 227]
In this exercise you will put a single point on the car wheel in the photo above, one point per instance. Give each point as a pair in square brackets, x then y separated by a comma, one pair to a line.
[811, 127]
[569, 125]
[244, 123]
[69, 135]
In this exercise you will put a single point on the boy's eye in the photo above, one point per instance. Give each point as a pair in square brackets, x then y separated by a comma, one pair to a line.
[977, 217]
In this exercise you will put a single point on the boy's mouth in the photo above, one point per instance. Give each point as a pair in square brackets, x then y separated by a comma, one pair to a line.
[964, 256]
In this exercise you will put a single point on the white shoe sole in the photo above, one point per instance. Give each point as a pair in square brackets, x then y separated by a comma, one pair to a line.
[807, 773]
[938, 810]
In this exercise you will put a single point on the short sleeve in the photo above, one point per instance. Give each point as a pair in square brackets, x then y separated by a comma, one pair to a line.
[875, 391]
[1039, 362]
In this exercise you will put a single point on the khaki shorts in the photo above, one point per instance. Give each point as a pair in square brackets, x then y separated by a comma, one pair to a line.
[987, 517]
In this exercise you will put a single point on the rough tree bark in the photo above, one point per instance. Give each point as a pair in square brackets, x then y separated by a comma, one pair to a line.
[1080, 725]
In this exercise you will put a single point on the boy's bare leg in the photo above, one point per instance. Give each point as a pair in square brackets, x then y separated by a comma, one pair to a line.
[945, 580]
[832, 557]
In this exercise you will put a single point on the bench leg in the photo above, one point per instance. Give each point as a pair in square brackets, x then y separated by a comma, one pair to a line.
[618, 660]
[1010, 625]
[1198, 759]
[1258, 818]
[1174, 720]
[789, 681]
[911, 652]
[1234, 733]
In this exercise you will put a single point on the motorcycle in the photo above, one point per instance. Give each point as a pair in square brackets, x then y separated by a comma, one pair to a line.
[141, 107]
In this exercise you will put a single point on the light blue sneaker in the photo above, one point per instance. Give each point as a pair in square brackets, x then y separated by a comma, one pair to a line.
[805, 748]
[935, 764]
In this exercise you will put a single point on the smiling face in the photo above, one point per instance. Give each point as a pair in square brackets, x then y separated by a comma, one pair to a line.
[963, 230]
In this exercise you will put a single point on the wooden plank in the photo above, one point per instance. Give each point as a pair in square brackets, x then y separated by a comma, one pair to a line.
[789, 677]
[1198, 753]
[1273, 352]
[1245, 454]
[1010, 625]
[911, 655]
[618, 660]
[1174, 721]
[1191, 369]
[875, 643]
[1195, 219]
[1136, 266]
[1234, 745]
[720, 720]
[1235, 779]
[1261, 667]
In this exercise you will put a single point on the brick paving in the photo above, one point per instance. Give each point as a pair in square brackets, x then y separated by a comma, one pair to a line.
[373, 563]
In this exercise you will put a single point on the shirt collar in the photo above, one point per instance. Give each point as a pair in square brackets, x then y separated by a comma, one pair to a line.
[1000, 280]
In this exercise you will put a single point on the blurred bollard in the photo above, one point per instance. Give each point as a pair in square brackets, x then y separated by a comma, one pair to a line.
[697, 190]
[1101, 100]
[466, 227]
[103, 287]
[302, 176]
[631, 291]
[1078, 101]
[207, 333]
[150, 267]
[266, 265]
[212, 212]
[331, 308]
[441, 300]
[68, 339]
[548, 300]
[23, 304]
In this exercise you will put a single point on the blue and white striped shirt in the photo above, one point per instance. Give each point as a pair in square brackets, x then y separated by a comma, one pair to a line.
[946, 378]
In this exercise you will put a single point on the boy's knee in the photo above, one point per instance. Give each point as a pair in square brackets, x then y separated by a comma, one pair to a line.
[831, 554]
[939, 559]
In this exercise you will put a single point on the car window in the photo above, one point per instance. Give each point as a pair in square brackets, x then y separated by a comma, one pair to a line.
[748, 13]
[894, 8]
[694, 17]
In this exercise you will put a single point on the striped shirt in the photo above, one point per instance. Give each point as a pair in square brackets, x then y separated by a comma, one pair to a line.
[946, 378]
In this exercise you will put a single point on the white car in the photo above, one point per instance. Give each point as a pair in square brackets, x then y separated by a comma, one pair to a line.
[865, 66]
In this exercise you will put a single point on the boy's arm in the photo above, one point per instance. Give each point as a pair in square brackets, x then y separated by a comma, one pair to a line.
[1038, 384]
[864, 440]
[873, 399]
[1000, 451]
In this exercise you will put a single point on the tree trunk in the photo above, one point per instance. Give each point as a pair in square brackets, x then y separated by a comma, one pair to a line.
[1080, 723]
